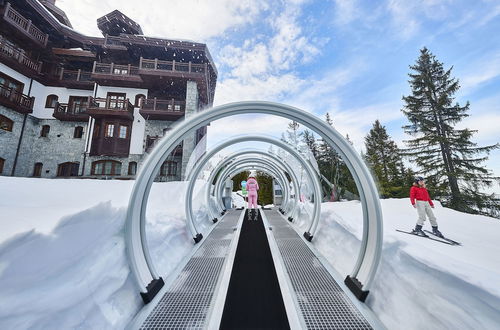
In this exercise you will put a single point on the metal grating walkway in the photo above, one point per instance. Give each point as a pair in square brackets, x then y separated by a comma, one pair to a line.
[187, 301]
[322, 302]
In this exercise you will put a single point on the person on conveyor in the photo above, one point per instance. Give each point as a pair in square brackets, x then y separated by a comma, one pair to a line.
[420, 199]
[252, 187]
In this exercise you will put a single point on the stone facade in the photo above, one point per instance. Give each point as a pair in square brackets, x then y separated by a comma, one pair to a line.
[191, 109]
[9, 140]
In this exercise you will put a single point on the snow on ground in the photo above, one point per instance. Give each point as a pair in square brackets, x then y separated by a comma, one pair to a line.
[62, 251]
[63, 265]
[422, 284]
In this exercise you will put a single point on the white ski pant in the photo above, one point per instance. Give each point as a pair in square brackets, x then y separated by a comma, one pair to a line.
[423, 208]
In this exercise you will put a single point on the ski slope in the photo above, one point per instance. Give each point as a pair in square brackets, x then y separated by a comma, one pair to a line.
[63, 264]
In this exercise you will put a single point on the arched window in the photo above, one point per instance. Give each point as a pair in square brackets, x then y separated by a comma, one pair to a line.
[45, 131]
[132, 168]
[2, 163]
[78, 132]
[168, 168]
[68, 169]
[106, 167]
[51, 101]
[138, 100]
[37, 170]
[6, 124]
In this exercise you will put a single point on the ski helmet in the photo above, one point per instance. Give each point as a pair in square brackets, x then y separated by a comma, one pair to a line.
[418, 178]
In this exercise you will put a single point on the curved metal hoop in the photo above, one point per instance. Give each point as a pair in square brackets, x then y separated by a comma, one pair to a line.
[139, 258]
[266, 155]
[249, 161]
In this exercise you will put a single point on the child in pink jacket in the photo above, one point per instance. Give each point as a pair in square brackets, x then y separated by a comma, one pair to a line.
[252, 187]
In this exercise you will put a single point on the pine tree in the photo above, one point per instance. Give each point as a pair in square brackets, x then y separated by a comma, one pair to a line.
[334, 169]
[447, 156]
[384, 157]
[310, 142]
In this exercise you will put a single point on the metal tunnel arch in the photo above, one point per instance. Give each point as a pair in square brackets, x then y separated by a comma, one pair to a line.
[142, 267]
[195, 171]
[240, 166]
[279, 162]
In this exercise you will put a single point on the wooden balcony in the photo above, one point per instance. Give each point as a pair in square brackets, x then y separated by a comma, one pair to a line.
[115, 74]
[73, 112]
[158, 67]
[24, 26]
[15, 100]
[101, 107]
[16, 57]
[75, 78]
[162, 109]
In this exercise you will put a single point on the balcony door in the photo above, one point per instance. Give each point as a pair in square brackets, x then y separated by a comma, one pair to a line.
[78, 104]
[116, 100]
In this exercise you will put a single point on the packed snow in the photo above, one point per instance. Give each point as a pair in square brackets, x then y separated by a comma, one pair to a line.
[63, 264]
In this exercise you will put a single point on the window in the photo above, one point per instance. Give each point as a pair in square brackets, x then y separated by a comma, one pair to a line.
[37, 171]
[166, 130]
[2, 163]
[6, 124]
[139, 99]
[106, 167]
[78, 132]
[51, 101]
[121, 71]
[132, 168]
[45, 131]
[78, 104]
[9, 87]
[169, 168]
[116, 100]
[123, 132]
[110, 129]
[68, 169]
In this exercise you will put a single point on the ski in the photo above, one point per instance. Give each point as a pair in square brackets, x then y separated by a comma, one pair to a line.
[431, 238]
[445, 238]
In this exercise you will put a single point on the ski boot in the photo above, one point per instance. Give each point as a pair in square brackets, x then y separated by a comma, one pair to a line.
[418, 231]
[436, 232]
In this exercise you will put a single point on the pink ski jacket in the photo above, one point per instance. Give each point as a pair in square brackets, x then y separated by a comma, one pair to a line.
[252, 185]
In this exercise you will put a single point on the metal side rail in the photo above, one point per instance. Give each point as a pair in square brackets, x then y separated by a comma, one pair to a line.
[321, 298]
[186, 300]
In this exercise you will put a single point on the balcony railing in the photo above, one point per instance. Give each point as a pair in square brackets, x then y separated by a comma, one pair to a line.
[163, 105]
[156, 64]
[25, 25]
[15, 99]
[14, 53]
[115, 69]
[110, 104]
[71, 112]
[74, 75]
[71, 109]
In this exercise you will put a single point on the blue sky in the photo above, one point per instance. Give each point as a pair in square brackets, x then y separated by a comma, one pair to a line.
[348, 58]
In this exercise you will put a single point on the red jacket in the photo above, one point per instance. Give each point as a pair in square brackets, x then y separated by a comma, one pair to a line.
[420, 194]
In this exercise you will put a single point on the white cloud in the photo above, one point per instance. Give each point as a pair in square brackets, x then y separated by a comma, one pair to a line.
[183, 19]
[480, 72]
[346, 11]
[408, 14]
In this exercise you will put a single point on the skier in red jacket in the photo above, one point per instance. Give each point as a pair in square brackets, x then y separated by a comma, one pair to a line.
[420, 199]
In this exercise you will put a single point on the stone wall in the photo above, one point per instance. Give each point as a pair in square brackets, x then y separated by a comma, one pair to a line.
[9, 140]
[191, 109]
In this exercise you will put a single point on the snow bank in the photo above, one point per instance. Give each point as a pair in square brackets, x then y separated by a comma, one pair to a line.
[422, 284]
[62, 251]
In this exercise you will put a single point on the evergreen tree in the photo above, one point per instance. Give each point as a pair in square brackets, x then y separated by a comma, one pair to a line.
[310, 142]
[447, 156]
[334, 170]
[265, 195]
[384, 157]
[292, 134]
